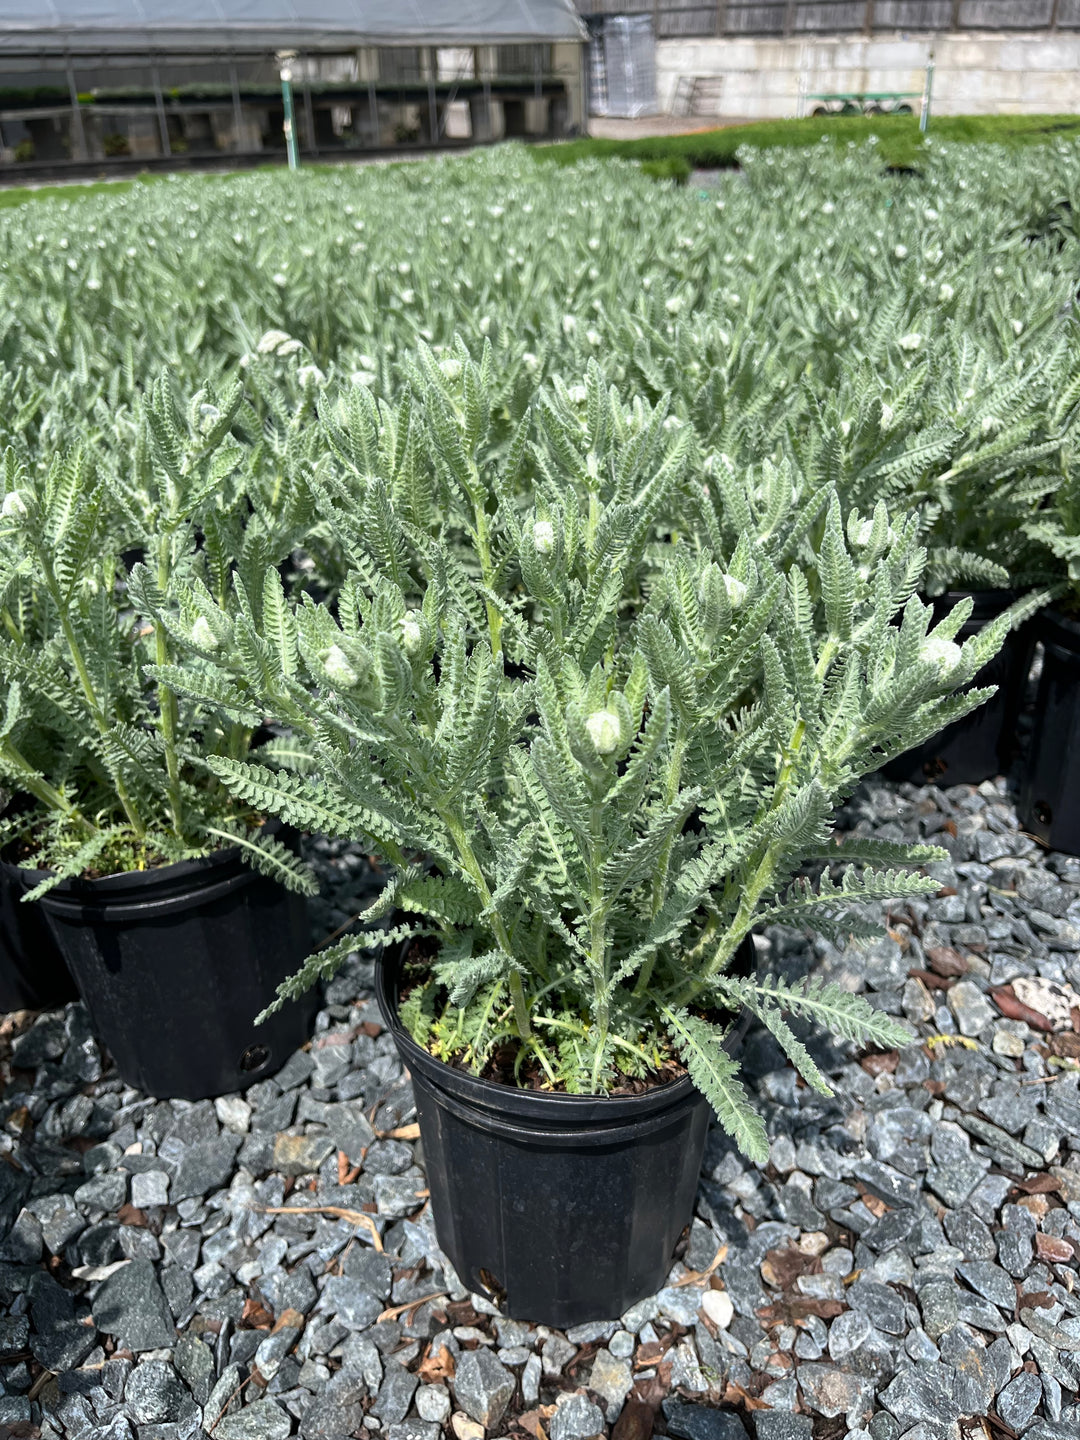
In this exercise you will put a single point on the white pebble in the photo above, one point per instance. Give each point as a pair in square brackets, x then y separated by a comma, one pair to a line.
[718, 1307]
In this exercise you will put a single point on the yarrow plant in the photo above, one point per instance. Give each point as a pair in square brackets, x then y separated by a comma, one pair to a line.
[93, 734]
[584, 807]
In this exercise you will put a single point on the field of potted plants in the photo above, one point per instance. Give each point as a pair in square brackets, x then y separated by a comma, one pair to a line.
[500, 665]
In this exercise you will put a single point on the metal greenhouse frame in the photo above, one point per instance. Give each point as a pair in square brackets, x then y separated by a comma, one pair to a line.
[146, 83]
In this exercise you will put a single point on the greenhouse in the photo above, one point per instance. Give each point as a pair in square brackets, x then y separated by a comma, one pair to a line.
[83, 83]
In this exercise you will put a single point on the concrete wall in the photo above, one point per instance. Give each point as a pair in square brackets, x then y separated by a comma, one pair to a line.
[974, 74]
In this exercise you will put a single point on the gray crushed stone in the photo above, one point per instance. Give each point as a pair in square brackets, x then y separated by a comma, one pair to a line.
[906, 1263]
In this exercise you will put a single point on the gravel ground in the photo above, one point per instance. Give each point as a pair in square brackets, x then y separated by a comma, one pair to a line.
[905, 1266]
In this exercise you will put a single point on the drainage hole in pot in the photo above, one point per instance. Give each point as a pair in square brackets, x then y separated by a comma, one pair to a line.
[492, 1289]
[1043, 813]
[254, 1058]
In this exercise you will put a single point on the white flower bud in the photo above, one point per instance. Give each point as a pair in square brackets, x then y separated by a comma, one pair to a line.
[338, 668]
[310, 375]
[945, 292]
[1018, 327]
[888, 415]
[209, 415]
[944, 655]
[900, 252]
[736, 591]
[530, 361]
[202, 635]
[272, 340]
[673, 305]
[578, 394]
[412, 637]
[543, 532]
[911, 341]
[450, 367]
[289, 347]
[14, 506]
[605, 731]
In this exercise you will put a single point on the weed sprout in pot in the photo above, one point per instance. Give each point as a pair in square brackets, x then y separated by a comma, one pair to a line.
[584, 808]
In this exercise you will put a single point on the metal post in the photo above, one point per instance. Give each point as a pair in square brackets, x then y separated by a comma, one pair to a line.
[433, 108]
[1054, 10]
[868, 19]
[373, 110]
[77, 130]
[309, 115]
[721, 17]
[789, 18]
[162, 118]
[924, 113]
[238, 112]
[538, 70]
[290, 122]
[804, 83]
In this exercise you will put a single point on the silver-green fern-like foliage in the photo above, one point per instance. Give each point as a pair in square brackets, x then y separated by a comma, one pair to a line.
[92, 731]
[585, 805]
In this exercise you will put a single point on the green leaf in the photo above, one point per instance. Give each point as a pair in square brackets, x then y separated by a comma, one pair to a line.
[713, 1072]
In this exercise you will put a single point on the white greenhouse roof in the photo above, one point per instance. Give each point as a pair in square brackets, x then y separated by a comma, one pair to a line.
[79, 27]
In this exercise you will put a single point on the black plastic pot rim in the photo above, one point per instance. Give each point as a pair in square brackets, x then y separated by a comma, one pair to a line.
[487, 1104]
[985, 603]
[131, 894]
[1060, 628]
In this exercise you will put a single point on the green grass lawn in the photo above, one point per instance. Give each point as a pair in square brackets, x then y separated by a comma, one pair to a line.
[22, 194]
[676, 155]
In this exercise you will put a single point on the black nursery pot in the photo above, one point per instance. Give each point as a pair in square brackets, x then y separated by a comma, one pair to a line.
[982, 744]
[175, 963]
[1050, 787]
[33, 975]
[561, 1209]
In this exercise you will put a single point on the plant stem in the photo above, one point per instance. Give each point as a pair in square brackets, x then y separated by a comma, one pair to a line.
[483, 550]
[10, 626]
[83, 672]
[762, 877]
[598, 939]
[41, 789]
[167, 708]
[472, 867]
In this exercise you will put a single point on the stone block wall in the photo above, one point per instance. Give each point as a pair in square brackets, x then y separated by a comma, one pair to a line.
[975, 74]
